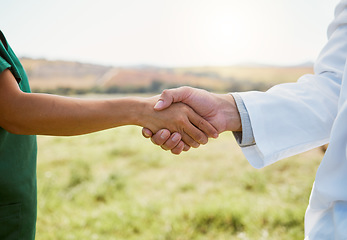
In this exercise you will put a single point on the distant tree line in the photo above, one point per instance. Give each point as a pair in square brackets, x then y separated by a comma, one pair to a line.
[155, 87]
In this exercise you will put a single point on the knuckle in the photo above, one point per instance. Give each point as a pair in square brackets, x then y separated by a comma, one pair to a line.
[164, 92]
[201, 123]
[181, 120]
[186, 109]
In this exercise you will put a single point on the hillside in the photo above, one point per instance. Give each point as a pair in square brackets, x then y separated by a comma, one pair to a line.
[48, 76]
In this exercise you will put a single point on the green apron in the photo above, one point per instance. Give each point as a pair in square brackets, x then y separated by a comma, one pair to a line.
[17, 166]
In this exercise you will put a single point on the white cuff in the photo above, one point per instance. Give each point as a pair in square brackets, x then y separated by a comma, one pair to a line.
[244, 138]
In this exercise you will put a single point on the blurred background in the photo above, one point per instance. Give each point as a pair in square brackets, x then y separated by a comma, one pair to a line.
[117, 185]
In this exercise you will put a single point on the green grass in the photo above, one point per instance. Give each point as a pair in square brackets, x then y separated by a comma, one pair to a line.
[117, 185]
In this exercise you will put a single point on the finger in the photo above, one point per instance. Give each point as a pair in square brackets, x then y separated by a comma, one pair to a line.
[186, 147]
[172, 142]
[191, 135]
[195, 134]
[178, 149]
[146, 133]
[161, 137]
[204, 126]
[169, 96]
[190, 141]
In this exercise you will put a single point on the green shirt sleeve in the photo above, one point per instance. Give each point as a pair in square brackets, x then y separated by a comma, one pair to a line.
[8, 59]
[4, 65]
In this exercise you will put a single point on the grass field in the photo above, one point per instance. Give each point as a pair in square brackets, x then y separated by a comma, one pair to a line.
[117, 185]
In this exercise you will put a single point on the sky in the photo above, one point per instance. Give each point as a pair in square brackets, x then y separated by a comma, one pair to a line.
[168, 33]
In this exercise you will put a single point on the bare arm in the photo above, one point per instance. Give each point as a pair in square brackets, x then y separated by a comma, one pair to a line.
[32, 114]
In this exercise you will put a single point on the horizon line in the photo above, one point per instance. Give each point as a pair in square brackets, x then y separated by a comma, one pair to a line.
[308, 63]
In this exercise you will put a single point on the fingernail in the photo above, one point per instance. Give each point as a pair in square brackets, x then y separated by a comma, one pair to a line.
[159, 104]
[164, 135]
[146, 134]
[176, 137]
[215, 135]
[196, 145]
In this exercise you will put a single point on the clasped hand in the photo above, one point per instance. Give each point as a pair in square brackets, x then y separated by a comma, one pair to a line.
[198, 115]
[186, 126]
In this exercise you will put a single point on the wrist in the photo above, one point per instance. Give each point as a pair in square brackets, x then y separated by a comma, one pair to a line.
[142, 111]
[230, 113]
[133, 110]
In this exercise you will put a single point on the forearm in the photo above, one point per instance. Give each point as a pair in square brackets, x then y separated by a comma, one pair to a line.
[44, 114]
[33, 114]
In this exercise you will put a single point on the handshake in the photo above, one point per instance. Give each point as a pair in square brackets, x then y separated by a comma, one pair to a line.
[187, 117]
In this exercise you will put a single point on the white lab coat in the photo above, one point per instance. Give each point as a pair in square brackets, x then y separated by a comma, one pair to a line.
[292, 118]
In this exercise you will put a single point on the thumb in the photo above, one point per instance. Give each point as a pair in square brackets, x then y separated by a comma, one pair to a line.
[169, 96]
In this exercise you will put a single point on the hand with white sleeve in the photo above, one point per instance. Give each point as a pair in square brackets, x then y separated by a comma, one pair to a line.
[218, 109]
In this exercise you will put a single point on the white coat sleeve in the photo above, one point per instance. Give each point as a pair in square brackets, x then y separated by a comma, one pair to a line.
[294, 117]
